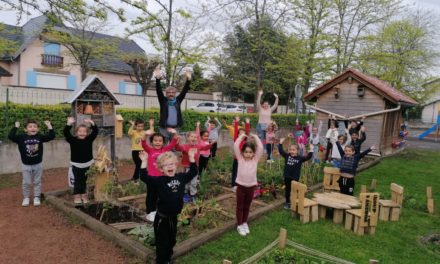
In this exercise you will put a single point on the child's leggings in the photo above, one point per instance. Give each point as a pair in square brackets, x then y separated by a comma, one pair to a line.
[165, 230]
[213, 150]
[151, 199]
[346, 185]
[137, 163]
[80, 184]
[269, 151]
[288, 188]
[234, 172]
[244, 200]
[31, 173]
[203, 163]
[328, 150]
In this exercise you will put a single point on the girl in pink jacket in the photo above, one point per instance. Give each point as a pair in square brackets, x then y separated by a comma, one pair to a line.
[247, 157]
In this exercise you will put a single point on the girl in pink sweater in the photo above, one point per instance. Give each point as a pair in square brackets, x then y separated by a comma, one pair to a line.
[247, 157]
[154, 149]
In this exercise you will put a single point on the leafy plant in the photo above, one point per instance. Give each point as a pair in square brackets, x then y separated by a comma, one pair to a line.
[288, 256]
[143, 233]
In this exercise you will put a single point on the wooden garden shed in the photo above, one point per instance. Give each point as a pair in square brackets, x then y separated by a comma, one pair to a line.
[355, 94]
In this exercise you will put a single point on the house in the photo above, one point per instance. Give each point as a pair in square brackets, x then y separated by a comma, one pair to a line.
[355, 94]
[431, 107]
[44, 64]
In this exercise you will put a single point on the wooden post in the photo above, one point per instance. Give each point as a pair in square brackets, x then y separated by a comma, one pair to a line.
[430, 201]
[225, 261]
[283, 238]
[363, 188]
[373, 185]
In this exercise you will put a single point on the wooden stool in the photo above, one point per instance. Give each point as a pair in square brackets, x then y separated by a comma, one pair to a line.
[364, 220]
[390, 209]
[331, 177]
[306, 209]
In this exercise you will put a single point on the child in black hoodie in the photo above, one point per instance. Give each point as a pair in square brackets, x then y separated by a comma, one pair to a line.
[292, 166]
[81, 156]
[349, 164]
[170, 190]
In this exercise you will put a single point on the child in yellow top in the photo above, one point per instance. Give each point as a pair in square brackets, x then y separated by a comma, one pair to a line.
[136, 133]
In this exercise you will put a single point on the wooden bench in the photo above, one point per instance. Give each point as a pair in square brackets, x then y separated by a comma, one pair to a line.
[363, 220]
[306, 209]
[331, 177]
[390, 209]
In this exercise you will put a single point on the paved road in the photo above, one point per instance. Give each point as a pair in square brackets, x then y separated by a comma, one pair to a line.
[423, 144]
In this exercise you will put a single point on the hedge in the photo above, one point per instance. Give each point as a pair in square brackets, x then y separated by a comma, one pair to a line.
[57, 114]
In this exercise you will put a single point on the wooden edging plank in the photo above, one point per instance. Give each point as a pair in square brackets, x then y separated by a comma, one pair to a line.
[106, 231]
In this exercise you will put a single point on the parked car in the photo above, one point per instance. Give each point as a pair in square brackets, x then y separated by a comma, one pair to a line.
[230, 108]
[209, 107]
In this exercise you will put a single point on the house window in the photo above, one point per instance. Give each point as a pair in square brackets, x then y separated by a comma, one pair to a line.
[55, 81]
[130, 88]
[52, 48]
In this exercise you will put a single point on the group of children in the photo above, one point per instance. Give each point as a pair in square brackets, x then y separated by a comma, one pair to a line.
[167, 180]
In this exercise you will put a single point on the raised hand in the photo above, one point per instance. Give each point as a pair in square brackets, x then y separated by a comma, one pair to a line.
[188, 74]
[157, 72]
[70, 120]
[282, 140]
[198, 123]
[151, 122]
[363, 128]
[276, 95]
[209, 119]
[192, 154]
[131, 122]
[149, 133]
[247, 120]
[143, 156]
[48, 124]
[237, 119]
[171, 130]
[260, 92]
[17, 124]
[89, 121]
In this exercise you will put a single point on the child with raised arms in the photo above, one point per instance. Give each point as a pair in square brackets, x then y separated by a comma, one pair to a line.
[30, 146]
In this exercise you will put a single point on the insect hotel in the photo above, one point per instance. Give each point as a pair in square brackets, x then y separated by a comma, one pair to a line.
[353, 94]
[94, 101]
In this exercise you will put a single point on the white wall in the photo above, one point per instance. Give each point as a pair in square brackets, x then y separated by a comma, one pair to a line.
[430, 113]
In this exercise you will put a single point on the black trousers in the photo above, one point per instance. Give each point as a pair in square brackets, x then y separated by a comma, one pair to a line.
[203, 163]
[346, 185]
[328, 150]
[288, 189]
[269, 151]
[80, 185]
[213, 150]
[137, 163]
[234, 172]
[151, 199]
[165, 230]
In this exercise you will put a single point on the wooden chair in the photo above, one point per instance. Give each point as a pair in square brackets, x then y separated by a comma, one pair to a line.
[390, 209]
[331, 177]
[306, 209]
[363, 220]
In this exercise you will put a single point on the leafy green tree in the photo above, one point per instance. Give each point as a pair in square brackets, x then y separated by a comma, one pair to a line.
[401, 54]
[7, 46]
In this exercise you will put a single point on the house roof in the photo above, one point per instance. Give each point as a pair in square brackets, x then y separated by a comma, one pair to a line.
[84, 84]
[379, 86]
[24, 36]
[4, 73]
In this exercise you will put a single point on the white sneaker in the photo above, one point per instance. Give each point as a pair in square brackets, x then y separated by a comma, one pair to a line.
[37, 201]
[25, 202]
[234, 189]
[150, 217]
[241, 230]
[246, 228]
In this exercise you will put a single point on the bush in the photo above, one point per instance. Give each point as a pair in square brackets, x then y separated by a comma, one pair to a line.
[57, 114]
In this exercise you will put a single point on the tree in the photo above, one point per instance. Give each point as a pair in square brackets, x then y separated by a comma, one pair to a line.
[60, 6]
[200, 84]
[402, 53]
[7, 45]
[82, 39]
[171, 31]
[354, 19]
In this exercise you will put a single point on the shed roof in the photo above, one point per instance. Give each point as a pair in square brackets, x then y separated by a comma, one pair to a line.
[4, 73]
[83, 86]
[379, 86]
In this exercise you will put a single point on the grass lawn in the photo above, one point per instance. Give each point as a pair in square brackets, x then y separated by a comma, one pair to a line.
[394, 242]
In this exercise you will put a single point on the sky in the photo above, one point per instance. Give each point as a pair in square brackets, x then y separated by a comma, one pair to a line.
[118, 28]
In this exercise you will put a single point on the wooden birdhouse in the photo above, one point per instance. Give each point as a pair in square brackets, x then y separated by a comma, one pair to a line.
[93, 100]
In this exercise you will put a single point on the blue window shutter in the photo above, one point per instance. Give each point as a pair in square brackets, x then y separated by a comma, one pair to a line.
[122, 87]
[52, 48]
[31, 78]
[71, 82]
[138, 89]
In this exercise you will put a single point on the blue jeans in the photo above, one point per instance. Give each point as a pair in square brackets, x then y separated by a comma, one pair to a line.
[261, 131]
[168, 136]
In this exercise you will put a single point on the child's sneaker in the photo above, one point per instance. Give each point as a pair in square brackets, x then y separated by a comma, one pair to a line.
[246, 228]
[287, 206]
[234, 189]
[77, 199]
[150, 217]
[25, 202]
[37, 201]
[241, 230]
[186, 198]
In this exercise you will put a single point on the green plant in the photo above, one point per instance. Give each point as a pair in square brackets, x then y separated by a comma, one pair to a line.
[143, 233]
[288, 256]
[311, 173]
